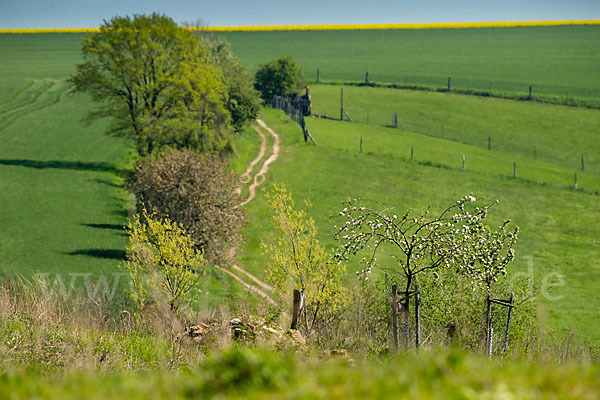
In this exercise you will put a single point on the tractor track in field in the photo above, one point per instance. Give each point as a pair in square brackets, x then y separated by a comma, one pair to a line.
[235, 271]
[37, 95]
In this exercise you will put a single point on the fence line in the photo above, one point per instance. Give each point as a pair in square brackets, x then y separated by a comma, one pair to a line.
[437, 129]
[294, 113]
[545, 93]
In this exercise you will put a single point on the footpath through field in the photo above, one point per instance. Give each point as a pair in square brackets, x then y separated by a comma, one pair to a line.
[257, 286]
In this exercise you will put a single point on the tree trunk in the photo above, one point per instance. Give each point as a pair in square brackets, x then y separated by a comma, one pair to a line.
[417, 319]
[395, 315]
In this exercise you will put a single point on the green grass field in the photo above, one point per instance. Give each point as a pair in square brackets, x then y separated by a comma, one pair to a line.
[559, 227]
[556, 135]
[558, 61]
[63, 202]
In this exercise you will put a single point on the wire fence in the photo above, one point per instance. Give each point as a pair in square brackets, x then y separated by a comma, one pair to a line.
[478, 129]
[548, 93]
[294, 113]
[574, 169]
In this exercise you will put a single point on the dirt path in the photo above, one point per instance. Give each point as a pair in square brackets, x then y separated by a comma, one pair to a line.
[259, 179]
[245, 177]
[246, 285]
[253, 278]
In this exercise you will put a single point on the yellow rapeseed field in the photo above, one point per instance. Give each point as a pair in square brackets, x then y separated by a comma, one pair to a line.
[440, 25]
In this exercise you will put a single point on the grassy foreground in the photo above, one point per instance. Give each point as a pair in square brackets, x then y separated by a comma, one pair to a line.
[253, 374]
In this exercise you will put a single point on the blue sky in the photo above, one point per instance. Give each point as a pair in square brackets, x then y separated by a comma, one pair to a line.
[85, 13]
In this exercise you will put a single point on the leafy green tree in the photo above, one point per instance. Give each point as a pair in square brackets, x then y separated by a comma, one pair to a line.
[162, 262]
[243, 101]
[297, 261]
[154, 80]
[281, 77]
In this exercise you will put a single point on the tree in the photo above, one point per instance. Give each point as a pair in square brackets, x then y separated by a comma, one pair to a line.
[418, 244]
[297, 261]
[243, 101]
[491, 253]
[194, 190]
[153, 78]
[162, 262]
[281, 77]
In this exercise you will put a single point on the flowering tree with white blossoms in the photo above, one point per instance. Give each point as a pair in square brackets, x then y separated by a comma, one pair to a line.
[417, 243]
[491, 253]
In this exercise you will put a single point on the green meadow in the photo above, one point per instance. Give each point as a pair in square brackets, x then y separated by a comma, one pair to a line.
[558, 245]
[556, 135]
[63, 202]
[243, 373]
[556, 61]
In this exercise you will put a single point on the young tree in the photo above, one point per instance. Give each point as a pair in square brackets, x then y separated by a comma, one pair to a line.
[153, 78]
[491, 253]
[195, 191]
[162, 262]
[281, 77]
[417, 244]
[297, 261]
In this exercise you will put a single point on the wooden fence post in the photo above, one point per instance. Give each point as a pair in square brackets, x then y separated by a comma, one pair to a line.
[507, 333]
[411, 153]
[529, 98]
[361, 144]
[489, 142]
[395, 315]
[575, 182]
[342, 104]
[463, 160]
[318, 80]
[514, 170]
[395, 120]
[297, 308]
[582, 163]
[448, 83]
[367, 78]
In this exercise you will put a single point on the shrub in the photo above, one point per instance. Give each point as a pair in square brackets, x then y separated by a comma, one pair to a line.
[162, 262]
[195, 191]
